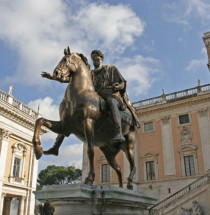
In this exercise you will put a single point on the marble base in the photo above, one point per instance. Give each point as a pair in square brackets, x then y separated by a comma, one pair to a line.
[78, 199]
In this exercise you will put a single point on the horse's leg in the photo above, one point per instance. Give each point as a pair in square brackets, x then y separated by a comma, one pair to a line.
[54, 150]
[55, 126]
[89, 134]
[110, 157]
[130, 141]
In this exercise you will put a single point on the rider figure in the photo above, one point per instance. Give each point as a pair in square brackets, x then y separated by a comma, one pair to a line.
[110, 85]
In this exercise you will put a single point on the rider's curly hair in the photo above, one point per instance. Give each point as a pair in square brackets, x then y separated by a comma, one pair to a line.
[97, 52]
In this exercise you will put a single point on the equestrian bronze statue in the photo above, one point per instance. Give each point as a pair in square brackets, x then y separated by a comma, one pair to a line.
[95, 108]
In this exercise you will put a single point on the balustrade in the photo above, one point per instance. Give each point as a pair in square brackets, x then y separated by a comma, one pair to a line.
[17, 104]
[172, 96]
[185, 191]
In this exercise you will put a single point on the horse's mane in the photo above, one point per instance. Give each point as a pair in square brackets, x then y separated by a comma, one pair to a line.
[84, 59]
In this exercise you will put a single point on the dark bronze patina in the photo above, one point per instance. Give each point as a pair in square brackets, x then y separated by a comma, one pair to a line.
[86, 114]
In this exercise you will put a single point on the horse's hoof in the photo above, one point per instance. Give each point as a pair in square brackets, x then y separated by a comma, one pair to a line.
[129, 186]
[51, 151]
[38, 152]
[88, 181]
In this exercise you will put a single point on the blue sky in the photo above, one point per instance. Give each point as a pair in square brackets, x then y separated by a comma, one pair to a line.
[155, 45]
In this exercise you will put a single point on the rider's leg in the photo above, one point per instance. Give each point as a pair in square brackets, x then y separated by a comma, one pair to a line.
[116, 118]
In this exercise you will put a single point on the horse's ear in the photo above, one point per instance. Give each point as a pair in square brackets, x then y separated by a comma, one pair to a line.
[68, 50]
[65, 52]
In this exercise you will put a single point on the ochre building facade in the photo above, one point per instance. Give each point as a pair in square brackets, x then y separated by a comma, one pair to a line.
[173, 144]
[18, 165]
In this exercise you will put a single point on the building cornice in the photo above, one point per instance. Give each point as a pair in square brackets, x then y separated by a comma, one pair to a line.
[205, 97]
[9, 111]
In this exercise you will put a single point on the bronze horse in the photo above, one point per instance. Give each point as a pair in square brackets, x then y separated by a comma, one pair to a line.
[81, 115]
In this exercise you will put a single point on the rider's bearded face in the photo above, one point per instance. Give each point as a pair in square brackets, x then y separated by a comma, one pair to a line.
[97, 61]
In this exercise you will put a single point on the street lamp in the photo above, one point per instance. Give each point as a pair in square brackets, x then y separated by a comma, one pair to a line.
[206, 40]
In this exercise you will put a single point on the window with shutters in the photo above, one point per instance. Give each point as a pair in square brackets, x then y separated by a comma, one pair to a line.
[150, 170]
[105, 173]
[16, 167]
[148, 126]
[189, 159]
[18, 163]
[189, 165]
[184, 119]
[150, 164]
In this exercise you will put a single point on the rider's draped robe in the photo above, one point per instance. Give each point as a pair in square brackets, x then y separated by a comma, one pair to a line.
[103, 80]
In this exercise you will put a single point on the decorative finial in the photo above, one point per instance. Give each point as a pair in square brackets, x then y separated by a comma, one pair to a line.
[199, 82]
[10, 90]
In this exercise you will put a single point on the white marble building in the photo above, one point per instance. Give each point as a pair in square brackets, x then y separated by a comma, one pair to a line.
[18, 165]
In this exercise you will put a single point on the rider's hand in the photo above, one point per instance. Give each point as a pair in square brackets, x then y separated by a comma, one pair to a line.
[118, 86]
[46, 75]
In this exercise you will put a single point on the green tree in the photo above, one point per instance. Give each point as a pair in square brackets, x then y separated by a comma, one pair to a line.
[58, 175]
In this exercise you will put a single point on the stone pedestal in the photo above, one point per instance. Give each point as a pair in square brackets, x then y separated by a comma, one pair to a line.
[79, 199]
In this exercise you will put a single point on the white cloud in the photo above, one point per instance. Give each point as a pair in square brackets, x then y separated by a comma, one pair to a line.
[182, 12]
[196, 64]
[116, 26]
[48, 110]
[68, 156]
[38, 31]
[140, 73]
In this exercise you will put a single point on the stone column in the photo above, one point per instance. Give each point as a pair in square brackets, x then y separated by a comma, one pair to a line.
[168, 150]
[206, 40]
[204, 125]
[21, 205]
[2, 203]
[7, 205]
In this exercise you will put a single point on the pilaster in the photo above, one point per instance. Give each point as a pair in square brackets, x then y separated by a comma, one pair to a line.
[204, 126]
[168, 150]
[3, 153]
[85, 163]
[136, 158]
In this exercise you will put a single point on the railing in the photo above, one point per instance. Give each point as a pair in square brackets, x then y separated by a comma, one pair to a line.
[184, 191]
[172, 96]
[17, 104]
[3, 96]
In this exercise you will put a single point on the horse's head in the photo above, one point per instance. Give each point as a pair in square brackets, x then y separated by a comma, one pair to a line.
[69, 64]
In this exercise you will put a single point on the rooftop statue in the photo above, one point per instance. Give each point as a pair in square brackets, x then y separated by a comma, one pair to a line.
[95, 108]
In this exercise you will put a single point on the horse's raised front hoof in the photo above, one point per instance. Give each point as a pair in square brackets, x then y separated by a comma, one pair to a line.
[51, 151]
[38, 152]
[129, 186]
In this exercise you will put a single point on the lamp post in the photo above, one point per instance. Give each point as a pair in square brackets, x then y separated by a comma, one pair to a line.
[206, 40]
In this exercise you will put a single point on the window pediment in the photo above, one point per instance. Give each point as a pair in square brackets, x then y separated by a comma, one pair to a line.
[188, 147]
